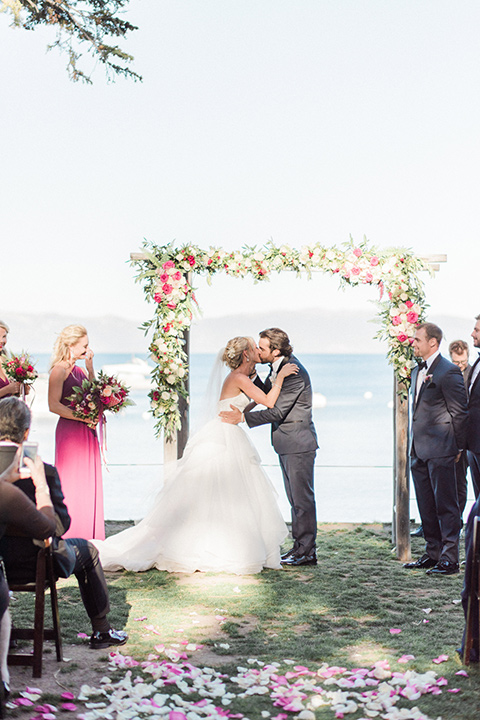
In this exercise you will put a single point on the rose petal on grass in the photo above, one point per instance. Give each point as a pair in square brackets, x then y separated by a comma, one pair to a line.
[440, 659]
[395, 631]
[67, 696]
[70, 707]
[140, 619]
[462, 672]
[454, 690]
[82, 635]
[405, 658]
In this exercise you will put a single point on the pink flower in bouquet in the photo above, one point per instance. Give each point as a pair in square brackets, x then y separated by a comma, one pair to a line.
[20, 372]
[191, 260]
[401, 337]
[167, 289]
[355, 270]
[168, 264]
[357, 252]
[374, 261]
[409, 303]
[178, 276]
[412, 317]
[158, 297]
[396, 320]
[164, 278]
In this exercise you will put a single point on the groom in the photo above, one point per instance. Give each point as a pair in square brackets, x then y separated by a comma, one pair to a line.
[293, 438]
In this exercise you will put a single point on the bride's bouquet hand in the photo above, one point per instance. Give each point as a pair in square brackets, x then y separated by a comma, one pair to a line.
[288, 369]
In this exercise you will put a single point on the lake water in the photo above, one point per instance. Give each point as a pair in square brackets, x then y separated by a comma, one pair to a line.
[353, 470]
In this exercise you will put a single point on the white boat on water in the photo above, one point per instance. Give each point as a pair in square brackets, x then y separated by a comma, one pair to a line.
[135, 374]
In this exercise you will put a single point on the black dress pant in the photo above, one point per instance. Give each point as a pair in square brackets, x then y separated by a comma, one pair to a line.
[436, 490]
[298, 478]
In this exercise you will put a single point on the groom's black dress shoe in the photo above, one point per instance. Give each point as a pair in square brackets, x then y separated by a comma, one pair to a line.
[418, 532]
[296, 560]
[288, 554]
[101, 640]
[422, 563]
[444, 567]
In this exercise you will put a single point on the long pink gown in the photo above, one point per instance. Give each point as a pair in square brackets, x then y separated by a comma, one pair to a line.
[77, 459]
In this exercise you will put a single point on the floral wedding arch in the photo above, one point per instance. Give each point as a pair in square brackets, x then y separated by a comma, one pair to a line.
[166, 273]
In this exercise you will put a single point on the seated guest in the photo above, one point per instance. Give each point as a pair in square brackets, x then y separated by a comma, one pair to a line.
[72, 556]
[35, 520]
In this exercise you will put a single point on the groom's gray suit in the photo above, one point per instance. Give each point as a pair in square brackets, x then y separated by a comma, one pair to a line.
[295, 441]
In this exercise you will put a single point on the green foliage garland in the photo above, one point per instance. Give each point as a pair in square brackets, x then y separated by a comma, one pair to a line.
[165, 274]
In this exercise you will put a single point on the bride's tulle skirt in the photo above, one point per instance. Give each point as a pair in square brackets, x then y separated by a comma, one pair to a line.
[217, 511]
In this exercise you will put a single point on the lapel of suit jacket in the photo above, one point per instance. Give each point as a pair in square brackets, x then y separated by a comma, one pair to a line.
[470, 390]
[430, 371]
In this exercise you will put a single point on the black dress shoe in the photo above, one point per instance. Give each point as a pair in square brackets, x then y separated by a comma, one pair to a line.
[296, 560]
[444, 567]
[421, 564]
[288, 554]
[101, 640]
[418, 532]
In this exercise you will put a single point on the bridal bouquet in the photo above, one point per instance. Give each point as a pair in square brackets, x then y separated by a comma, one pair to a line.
[90, 400]
[20, 368]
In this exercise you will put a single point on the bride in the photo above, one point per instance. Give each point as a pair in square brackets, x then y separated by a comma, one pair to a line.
[217, 511]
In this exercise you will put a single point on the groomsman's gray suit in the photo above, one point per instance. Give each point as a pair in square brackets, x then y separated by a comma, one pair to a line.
[473, 428]
[439, 423]
[295, 441]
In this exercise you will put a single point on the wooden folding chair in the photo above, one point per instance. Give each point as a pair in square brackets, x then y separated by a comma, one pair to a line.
[44, 579]
[473, 604]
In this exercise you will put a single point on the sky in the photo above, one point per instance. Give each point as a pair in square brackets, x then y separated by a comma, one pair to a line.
[292, 120]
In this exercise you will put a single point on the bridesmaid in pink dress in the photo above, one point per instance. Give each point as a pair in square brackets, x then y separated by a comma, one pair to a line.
[77, 452]
[7, 387]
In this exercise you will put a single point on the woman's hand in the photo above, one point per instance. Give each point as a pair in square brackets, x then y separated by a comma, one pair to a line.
[36, 471]
[89, 354]
[14, 387]
[288, 369]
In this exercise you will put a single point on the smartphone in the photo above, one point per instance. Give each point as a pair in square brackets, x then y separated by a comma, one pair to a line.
[7, 454]
[29, 449]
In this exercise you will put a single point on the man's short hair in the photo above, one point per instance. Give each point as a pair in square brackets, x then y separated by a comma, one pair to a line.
[431, 331]
[15, 418]
[458, 347]
[278, 340]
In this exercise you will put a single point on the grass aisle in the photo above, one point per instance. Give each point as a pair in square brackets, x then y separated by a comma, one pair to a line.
[357, 610]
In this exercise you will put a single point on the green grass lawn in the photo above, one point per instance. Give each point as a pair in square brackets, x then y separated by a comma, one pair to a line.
[339, 613]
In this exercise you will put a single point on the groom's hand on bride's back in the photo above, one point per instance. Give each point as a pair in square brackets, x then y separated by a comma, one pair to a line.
[233, 416]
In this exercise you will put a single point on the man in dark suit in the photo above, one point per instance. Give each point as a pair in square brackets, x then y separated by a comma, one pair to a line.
[459, 352]
[473, 429]
[293, 438]
[467, 586]
[438, 435]
[73, 556]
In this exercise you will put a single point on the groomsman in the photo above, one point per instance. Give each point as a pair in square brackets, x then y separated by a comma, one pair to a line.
[473, 428]
[459, 351]
[294, 440]
[438, 435]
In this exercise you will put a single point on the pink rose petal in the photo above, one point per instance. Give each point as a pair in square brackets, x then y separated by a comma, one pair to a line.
[82, 635]
[69, 706]
[406, 658]
[395, 631]
[440, 659]
[462, 672]
[454, 690]
[67, 696]
[140, 619]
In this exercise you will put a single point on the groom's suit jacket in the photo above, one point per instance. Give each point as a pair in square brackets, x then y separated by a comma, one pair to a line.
[293, 430]
[439, 413]
[473, 427]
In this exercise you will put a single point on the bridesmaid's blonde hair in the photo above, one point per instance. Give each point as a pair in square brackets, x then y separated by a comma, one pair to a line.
[7, 330]
[68, 337]
[233, 353]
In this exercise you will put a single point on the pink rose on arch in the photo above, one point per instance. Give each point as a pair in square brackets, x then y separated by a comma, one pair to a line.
[409, 303]
[168, 264]
[177, 276]
[357, 252]
[368, 277]
[167, 289]
[396, 320]
[374, 260]
[164, 278]
[171, 306]
[355, 270]
[346, 274]
[191, 260]
[412, 317]
[401, 337]
[158, 297]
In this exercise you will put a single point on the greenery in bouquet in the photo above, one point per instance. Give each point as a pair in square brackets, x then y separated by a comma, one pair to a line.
[112, 393]
[20, 368]
[93, 397]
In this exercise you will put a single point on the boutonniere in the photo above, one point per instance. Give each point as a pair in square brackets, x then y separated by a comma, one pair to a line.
[428, 381]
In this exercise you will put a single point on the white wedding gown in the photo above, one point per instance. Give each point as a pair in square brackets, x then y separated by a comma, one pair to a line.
[217, 512]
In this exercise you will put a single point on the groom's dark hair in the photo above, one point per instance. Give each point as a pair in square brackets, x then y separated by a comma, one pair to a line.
[278, 341]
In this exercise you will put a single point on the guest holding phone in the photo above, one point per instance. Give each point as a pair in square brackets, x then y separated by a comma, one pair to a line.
[35, 520]
[77, 451]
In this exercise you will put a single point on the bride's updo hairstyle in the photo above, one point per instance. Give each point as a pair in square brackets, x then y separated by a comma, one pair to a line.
[233, 353]
[68, 337]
